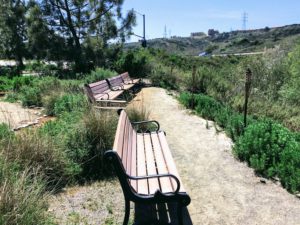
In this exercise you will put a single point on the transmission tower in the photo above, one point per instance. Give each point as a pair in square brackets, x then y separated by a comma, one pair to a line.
[165, 32]
[244, 20]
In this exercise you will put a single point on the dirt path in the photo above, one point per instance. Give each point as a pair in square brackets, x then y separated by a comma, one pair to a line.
[223, 190]
[17, 116]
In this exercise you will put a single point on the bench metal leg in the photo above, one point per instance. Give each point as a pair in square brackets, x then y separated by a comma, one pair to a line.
[179, 212]
[127, 212]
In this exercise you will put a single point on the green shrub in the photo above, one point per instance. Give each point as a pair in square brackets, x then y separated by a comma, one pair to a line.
[207, 107]
[67, 103]
[19, 82]
[271, 150]
[289, 167]
[160, 77]
[31, 96]
[9, 71]
[98, 74]
[235, 126]
[5, 84]
[88, 141]
[135, 62]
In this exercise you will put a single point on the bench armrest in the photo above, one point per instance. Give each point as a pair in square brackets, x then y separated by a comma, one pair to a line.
[128, 81]
[148, 121]
[117, 88]
[105, 94]
[158, 176]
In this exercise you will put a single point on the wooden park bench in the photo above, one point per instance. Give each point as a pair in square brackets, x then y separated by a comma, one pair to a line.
[100, 92]
[122, 82]
[145, 167]
[128, 80]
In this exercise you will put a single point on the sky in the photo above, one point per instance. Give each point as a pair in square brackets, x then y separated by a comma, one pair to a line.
[181, 17]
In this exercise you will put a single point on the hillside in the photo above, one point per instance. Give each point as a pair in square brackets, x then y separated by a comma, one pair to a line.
[228, 42]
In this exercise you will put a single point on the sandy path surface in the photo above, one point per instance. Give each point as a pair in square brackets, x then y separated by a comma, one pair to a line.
[17, 116]
[223, 190]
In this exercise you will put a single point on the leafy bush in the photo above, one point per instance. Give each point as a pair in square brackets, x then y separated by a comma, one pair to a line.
[5, 84]
[211, 109]
[67, 103]
[19, 82]
[160, 77]
[98, 74]
[9, 71]
[271, 150]
[135, 62]
[31, 96]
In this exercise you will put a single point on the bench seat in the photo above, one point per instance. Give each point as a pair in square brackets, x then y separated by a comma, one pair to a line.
[153, 148]
[108, 95]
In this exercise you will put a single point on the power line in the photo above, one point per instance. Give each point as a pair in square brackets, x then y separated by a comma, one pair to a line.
[165, 32]
[244, 20]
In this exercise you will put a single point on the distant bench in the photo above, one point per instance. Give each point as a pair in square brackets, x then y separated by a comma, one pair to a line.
[110, 89]
[145, 167]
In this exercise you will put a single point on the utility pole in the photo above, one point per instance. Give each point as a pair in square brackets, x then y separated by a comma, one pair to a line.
[244, 20]
[143, 41]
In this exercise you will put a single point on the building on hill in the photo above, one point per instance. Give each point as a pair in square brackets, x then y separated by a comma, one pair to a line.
[212, 32]
[198, 34]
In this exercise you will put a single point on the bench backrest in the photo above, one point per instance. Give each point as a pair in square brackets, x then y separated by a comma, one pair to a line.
[125, 142]
[125, 76]
[115, 81]
[96, 88]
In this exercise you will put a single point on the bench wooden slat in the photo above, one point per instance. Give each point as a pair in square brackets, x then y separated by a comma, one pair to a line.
[151, 167]
[119, 137]
[128, 86]
[129, 151]
[166, 185]
[133, 171]
[126, 143]
[169, 160]
[142, 186]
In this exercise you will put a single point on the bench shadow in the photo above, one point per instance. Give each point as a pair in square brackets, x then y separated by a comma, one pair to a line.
[160, 214]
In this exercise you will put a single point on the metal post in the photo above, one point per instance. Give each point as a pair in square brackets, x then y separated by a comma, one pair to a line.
[247, 93]
[144, 26]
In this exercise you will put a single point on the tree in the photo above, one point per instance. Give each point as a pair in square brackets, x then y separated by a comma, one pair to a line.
[38, 33]
[78, 20]
[12, 29]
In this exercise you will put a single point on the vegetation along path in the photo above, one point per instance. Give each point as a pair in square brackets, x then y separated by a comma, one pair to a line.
[223, 190]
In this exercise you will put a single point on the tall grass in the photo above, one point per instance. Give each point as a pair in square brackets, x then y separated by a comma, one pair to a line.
[22, 196]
